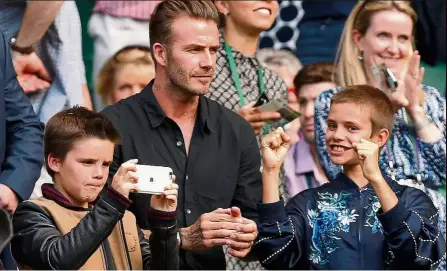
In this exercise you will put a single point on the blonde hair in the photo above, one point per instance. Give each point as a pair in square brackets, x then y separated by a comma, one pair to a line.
[276, 57]
[349, 69]
[137, 55]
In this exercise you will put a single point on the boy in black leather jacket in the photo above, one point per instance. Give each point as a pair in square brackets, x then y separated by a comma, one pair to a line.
[70, 227]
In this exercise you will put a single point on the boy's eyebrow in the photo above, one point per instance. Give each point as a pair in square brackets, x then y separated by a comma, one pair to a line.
[344, 122]
[352, 122]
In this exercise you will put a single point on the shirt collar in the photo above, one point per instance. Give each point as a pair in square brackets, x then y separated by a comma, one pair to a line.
[238, 56]
[51, 193]
[344, 182]
[303, 154]
[156, 115]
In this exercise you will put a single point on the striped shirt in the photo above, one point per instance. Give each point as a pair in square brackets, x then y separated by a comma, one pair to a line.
[138, 10]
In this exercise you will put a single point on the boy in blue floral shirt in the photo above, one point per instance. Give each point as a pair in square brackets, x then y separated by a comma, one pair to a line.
[360, 220]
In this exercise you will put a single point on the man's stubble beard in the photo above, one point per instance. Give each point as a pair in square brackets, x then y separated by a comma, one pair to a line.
[179, 79]
[310, 139]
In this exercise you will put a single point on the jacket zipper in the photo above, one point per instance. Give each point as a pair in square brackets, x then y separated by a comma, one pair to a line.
[360, 227]
[103, 253]
[104, 257]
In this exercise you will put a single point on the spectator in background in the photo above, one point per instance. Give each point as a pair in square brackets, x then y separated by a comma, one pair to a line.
[310, 29]
[381, 32]
[45, 38]
[283, 62]
[115, 25]
[430, 30]
[286, 65]
[243, 22]
[239, 86]
[21, 142]
[320, 29]
[430, 41]
[124, 74]
[303, 169]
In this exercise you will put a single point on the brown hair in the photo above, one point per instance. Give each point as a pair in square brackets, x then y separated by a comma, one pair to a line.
[160, 24]
[67, 127]
[312, 74]
[382, 113]
[350, 69]
[134, 54]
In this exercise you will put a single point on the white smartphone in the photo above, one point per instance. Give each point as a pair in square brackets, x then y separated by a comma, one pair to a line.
[153, 179]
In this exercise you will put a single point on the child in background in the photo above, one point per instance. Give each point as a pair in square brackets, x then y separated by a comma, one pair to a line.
[125, 74]
[360, 220]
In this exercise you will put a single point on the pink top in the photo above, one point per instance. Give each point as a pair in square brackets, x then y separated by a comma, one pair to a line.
[297, 164]
[138, 10]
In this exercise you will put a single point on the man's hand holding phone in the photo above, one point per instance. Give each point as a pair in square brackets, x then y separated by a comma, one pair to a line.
[256, 117]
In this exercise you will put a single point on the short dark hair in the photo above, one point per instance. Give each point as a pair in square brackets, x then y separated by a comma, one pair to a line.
[67, 127]
[382, 113]
[160, 24]
[313, 74]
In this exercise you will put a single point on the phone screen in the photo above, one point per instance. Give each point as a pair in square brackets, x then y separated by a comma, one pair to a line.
[390, 78]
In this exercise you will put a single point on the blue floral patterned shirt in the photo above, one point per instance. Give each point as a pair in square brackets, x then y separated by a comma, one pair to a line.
[432, 166]
[339, 226]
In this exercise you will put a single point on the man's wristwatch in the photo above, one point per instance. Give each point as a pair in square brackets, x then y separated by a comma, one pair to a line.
[22, 50]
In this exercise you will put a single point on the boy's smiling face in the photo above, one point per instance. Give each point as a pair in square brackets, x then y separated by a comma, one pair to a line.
[347, 123]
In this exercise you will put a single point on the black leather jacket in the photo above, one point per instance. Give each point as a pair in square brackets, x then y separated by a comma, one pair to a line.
[38, 244]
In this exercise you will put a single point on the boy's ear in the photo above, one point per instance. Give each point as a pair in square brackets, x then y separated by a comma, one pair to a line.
[54, 163]
[382, 137]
